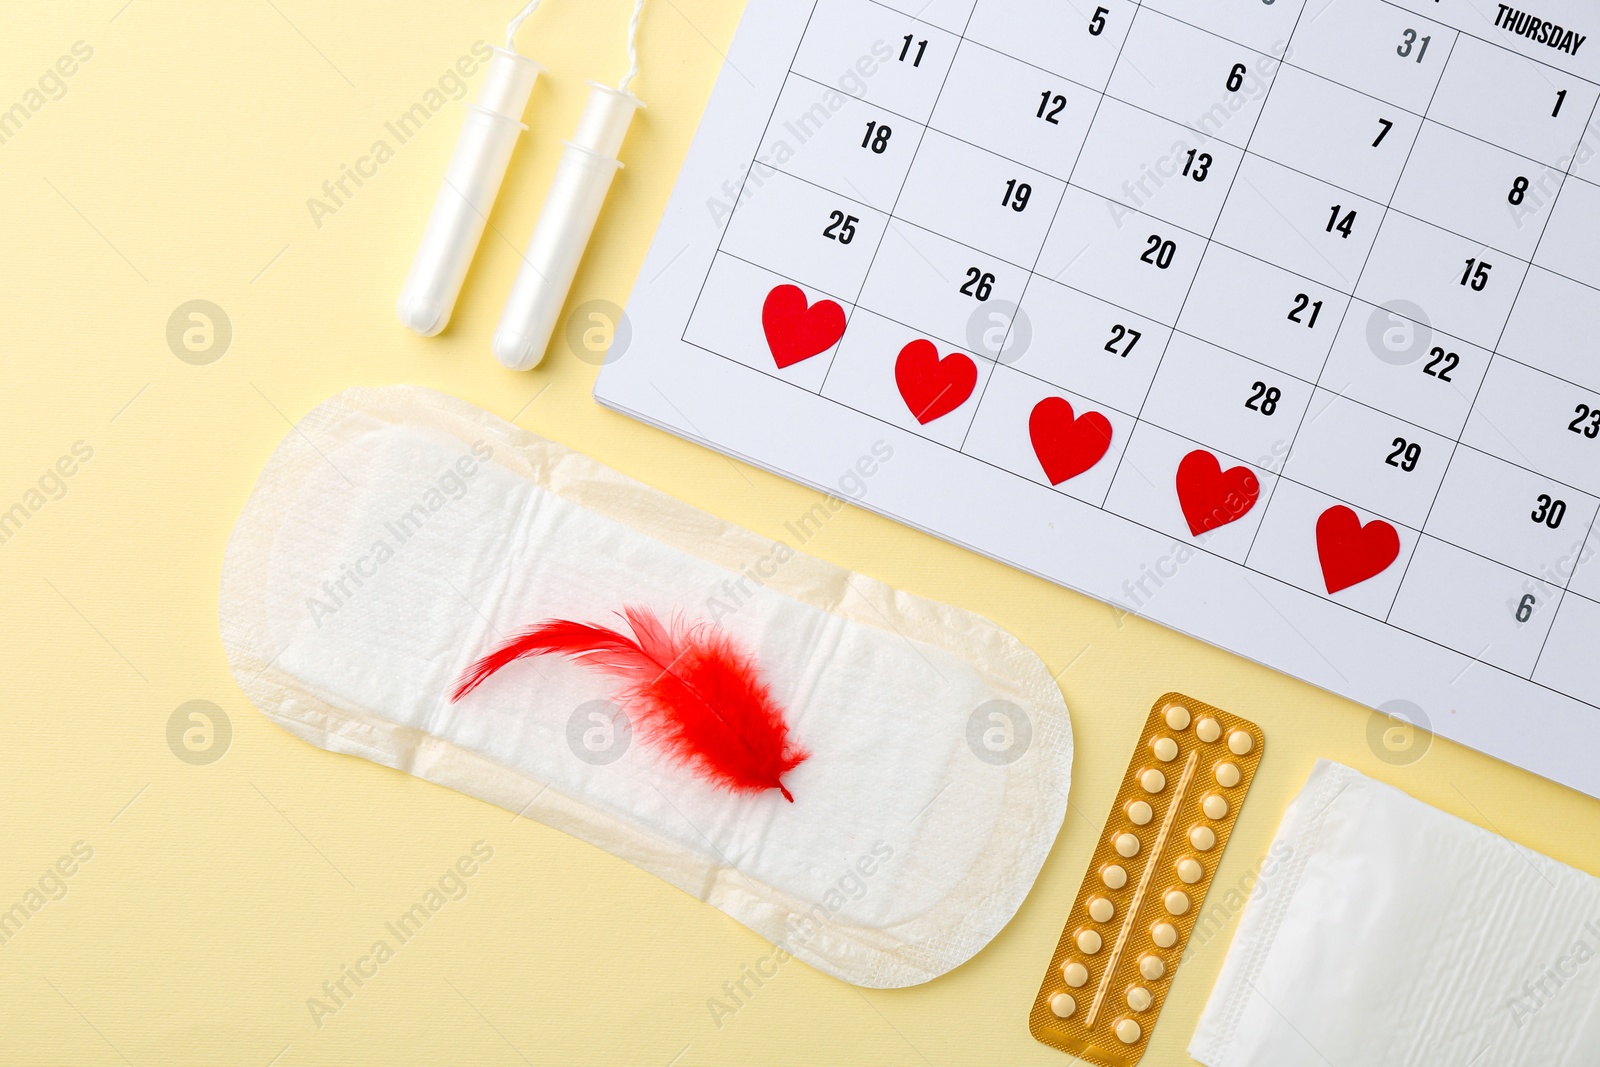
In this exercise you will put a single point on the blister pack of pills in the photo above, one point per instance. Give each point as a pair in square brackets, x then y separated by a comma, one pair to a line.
[1131, 919]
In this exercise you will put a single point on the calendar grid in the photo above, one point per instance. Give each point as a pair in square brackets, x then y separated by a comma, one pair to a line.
[849, 299]
[1561, 599]
[1290, 64]
[1146, 526]
[1271, 495]
[1067, 180]
[910, 165]
[1277, 162]
[1493, 354]
[745, 179]
[1592, 537]
[1283, 62]
[1505, 255]
[1200, 263]
[1497, 44]
[1120, 411]
[920, 233]
[1070, 183]
[1067, 185]
[1089, 503]
[1222, 453]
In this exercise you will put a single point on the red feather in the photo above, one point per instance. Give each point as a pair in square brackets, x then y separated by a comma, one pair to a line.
[689, 690]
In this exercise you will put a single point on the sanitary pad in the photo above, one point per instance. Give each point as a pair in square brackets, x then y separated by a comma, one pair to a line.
[397, 535]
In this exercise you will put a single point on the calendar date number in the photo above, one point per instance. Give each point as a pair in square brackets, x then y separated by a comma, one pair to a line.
[1305, 310]
[1586, 422]
[1476, 276]
[1159, 252]
[1525, 607]
[1342, 224]
[1411, 44]
[841, 227]
[979, 284]
[1016, 195]
[1264, 398]
[1550, 511]
[1406, 454]
[1441, 363]
[877, 138]
[1123, 338]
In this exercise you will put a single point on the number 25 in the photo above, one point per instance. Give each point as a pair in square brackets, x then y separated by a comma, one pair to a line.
[841, 227]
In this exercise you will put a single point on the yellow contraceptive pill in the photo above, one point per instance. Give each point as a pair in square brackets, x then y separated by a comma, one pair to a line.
[1147, 882]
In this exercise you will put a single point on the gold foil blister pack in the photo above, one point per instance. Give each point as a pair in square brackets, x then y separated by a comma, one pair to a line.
[1154, 862]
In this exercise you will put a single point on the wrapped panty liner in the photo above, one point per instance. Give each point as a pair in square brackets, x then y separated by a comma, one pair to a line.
[398, 534]
[1391, 933]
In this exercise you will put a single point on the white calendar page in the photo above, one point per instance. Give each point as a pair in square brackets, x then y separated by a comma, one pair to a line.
[1273, 321]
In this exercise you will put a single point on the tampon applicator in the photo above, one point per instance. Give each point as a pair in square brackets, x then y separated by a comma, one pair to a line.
[461, 210]
[567, 221]
[583, 178]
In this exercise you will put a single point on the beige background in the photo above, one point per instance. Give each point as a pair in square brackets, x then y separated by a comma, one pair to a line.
[175, 165]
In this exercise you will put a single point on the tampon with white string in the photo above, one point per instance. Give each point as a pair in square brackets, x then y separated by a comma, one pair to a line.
[488, 136]
[583, 178]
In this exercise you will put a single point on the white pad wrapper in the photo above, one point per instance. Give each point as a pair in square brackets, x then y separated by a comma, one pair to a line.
[398, 534]
[1390, 933]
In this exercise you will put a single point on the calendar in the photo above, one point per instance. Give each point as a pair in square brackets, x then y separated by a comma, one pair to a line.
[1274, 321]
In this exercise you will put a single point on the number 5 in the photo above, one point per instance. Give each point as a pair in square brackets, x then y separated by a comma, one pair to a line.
[1097, 24]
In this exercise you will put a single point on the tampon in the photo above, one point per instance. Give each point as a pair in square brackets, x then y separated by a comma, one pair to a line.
[483, 150]
[583, 177]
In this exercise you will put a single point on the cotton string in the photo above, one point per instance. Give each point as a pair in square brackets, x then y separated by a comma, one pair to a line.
[511, 27]
[633, 47]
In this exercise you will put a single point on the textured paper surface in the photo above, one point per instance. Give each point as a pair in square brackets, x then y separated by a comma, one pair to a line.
[1391, 933]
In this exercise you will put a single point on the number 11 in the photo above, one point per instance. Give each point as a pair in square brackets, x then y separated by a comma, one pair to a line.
[922, 47]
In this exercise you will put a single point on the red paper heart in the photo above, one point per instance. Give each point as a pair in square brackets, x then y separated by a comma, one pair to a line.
[1350, 552]
[796, 330]
[1213, 497]
[1067, 445]
[931, 386]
